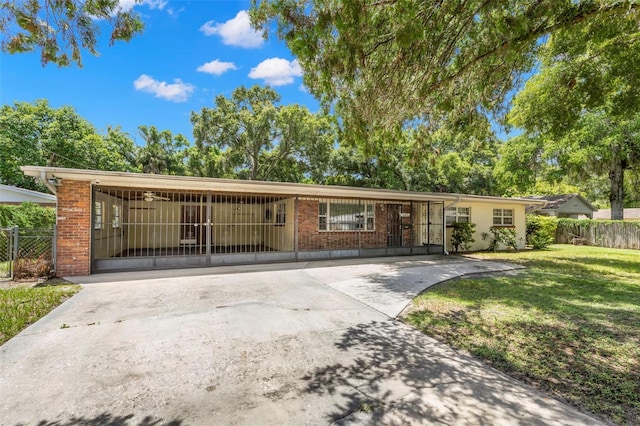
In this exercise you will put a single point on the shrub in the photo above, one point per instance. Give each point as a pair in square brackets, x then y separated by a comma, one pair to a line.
[462, 236]
[501, 236]
[27, 215]
[541, 231]
[540, 241]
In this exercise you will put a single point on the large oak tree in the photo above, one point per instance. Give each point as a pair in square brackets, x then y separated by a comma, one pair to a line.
[389, 64]
[580, 112]
[250, 136]
[61, 29]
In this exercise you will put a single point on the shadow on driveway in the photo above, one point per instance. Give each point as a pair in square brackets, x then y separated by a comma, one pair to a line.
[108, 419]
[398, 376]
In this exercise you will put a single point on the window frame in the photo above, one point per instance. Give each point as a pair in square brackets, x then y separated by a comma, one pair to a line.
[457, 216]
[281, 214]
[365, 220]
[116, 220]
[501, 217]
[98, 215]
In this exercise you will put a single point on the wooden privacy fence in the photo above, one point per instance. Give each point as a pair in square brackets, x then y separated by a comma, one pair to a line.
[617, 234]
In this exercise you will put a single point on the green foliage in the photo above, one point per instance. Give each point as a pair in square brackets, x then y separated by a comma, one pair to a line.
[388, 65]
[541, 231]
[499, 236]
[39, 135]
[462, 236]
[61, 29]
[541, 241]
[162, 153]
[249, 136]
[454, 159]
[27, 215]
[579, 113]
[580, 223]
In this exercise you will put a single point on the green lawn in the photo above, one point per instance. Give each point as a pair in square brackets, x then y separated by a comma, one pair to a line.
[569, 324]
[22, 306]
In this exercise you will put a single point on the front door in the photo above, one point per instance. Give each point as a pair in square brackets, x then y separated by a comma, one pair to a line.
[394, 225]
[190, 229]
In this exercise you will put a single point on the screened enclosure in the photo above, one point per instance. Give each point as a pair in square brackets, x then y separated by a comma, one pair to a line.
[148, 228]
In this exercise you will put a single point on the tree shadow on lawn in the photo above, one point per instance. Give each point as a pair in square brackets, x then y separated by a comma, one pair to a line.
[575, 333]
[576, 291]
[397, 374]
[569, 362]
[108, 419]
[631, 266]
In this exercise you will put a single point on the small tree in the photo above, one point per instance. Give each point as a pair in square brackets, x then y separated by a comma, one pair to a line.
[462, 236]
[541, 231]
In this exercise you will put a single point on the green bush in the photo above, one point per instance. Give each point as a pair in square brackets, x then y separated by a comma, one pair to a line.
[501, 236]
[462, 236]
[27, 215]
[540, 241]
[541, 231]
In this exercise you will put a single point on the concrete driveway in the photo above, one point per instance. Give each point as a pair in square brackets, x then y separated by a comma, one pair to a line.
[283, 344]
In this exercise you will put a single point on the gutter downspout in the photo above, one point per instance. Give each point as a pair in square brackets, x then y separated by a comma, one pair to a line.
[444, 223]
[49, 185]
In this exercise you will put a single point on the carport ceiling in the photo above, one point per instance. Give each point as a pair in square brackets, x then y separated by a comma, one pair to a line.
[151, 195]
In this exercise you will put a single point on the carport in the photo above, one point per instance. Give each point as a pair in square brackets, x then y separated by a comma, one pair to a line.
[110, 221]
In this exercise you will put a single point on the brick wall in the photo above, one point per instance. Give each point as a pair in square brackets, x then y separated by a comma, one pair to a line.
[74, 228]
[310, 238]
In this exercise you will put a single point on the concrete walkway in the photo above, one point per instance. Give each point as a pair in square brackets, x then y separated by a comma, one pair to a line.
[258, 345]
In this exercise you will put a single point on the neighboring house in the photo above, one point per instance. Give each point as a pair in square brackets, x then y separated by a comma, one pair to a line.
[573, 206]
[628, 214]
[15, 196]
[130, 221]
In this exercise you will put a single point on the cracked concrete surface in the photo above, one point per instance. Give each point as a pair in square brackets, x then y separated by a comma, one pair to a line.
[277, 346]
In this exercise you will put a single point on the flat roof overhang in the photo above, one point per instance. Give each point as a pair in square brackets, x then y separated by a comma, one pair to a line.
[190, 183]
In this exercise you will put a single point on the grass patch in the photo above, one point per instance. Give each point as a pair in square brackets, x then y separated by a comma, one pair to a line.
[22, 306]
[569, 324]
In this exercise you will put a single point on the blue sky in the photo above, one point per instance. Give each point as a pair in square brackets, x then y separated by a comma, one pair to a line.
[190, 52]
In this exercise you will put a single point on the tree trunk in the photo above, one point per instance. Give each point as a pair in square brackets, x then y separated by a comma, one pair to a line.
[616, 178]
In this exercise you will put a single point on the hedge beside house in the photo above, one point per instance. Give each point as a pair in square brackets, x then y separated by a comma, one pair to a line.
[612, 234]
[27, 215]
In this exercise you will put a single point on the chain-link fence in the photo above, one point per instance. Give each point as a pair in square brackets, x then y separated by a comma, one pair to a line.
[7, 249]
[27, 253]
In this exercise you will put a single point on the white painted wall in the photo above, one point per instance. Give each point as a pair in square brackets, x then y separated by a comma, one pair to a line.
[482, 216]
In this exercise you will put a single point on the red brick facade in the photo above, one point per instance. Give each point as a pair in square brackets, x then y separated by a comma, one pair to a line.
[311, 238]
[74, 228]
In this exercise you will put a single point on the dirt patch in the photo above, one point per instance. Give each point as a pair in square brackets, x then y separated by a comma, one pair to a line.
[42, 282]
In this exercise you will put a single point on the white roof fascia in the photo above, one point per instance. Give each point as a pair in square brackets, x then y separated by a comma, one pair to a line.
[30, 192]
[152, 181]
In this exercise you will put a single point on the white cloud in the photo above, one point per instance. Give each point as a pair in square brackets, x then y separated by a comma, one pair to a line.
[153, 4]
[276, 71]
[235, 32]
[216, 67]
[176, 91]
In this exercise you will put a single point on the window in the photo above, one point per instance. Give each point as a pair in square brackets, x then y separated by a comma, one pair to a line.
[281, 214]
[502, 217]
[115, 221]
[97, 214]
[345, 216]
[458, 214]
